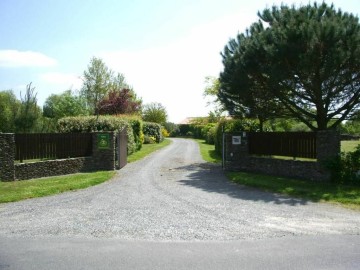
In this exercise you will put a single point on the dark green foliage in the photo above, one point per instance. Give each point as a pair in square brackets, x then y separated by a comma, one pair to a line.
[152, 130]
[104, 123]
[154, 112]
[137, 127]
[63, 105]
[172, 128]
[345, 168]
[29, 112]
[235, 125]
[307, 60]
[9, 107]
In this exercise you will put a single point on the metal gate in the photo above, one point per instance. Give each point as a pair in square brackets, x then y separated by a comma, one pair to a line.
[121, 149]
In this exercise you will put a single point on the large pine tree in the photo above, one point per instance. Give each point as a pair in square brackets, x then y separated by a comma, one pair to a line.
[306, 60]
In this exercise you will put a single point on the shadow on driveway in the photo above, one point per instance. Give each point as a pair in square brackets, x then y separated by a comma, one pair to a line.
[211, 178]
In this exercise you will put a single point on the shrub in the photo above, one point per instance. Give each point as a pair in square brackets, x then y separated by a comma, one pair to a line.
[149, 139]
[103, 123]
[345, 168]
[234, 125]
[153, 130]
[164, 132]
[172, 128]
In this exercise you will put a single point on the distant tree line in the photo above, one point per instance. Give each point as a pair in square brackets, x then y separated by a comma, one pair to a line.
[104, 92]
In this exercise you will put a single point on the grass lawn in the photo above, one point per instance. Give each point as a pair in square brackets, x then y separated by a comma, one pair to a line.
[147, 149]
[348, 146]
[348, 196]
[208, 152]
[319, 192]
[20, 190]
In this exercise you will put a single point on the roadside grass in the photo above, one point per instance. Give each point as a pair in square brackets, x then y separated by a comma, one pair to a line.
[26, 189]
[147, 149]
[346, 196]
[348, 146]
[208, 152]
[21, 190]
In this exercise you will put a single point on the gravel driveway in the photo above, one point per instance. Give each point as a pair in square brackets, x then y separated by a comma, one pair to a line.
[173, 195]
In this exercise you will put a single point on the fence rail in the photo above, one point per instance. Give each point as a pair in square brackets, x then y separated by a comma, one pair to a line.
[291, 144]
[52, 145]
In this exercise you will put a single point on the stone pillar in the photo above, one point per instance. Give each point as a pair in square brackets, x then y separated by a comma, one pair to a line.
[103, 155]
[7, 157]
[327, 145]
[235, 151]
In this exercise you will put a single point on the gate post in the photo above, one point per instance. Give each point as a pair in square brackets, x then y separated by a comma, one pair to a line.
[327, 144]
[103, 155]
[121, 148]
[7, 157]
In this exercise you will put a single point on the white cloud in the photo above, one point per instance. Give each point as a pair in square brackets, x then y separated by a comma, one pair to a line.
[65, 79]
[174, 73]
[14, 58]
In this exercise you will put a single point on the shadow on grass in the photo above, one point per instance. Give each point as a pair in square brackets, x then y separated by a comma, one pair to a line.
[211, 178]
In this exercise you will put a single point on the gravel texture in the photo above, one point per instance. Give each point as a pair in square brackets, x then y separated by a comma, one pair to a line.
[173, 195]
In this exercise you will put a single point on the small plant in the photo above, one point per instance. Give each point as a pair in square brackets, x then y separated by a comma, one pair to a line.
[149, 139]
[345, 168]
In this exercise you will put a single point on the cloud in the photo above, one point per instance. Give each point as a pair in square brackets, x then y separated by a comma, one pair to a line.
[174, 73]
[14, 58]
[66, 79]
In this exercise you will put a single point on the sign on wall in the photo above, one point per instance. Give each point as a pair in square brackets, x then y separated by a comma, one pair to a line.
[236, 139]
[103, 141]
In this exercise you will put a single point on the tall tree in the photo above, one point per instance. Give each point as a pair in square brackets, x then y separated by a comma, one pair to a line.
[154, 112]
[65, 104]
[308, 58]
[241, 91]
[97, 83]
[29, 112]
[9, 106]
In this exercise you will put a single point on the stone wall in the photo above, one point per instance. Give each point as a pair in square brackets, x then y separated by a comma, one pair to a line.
[25, 171]
[103, 158]
[237, 158]
[7, 156]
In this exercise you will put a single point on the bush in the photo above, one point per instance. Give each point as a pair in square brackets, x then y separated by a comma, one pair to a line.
[234, 125]
[104, 123]
[345, 168]
[149, 140]
[153, 130]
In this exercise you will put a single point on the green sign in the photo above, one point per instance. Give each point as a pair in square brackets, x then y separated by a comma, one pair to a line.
[103, 141]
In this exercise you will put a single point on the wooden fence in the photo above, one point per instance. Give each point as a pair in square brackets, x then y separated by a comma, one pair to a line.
[52, 145]
[291, 144]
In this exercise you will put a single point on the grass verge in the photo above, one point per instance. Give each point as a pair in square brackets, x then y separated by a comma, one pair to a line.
[348, 196]
[21, 190]
[208, 152]
[147, 149]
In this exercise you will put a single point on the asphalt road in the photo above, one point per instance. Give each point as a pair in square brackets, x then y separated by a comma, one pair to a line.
[172, 210]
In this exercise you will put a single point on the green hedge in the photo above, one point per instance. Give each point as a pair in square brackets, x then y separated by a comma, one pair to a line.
[105, 123]
[152, 130]
[234, 125]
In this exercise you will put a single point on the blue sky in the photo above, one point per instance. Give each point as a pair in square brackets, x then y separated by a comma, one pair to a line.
[165, 49]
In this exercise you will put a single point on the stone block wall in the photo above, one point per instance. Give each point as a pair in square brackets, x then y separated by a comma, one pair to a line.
[327, 145]
[7, 156]
[103, 158]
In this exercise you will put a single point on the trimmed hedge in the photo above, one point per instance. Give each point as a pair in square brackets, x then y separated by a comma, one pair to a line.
[153, 130]
[105, 123]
